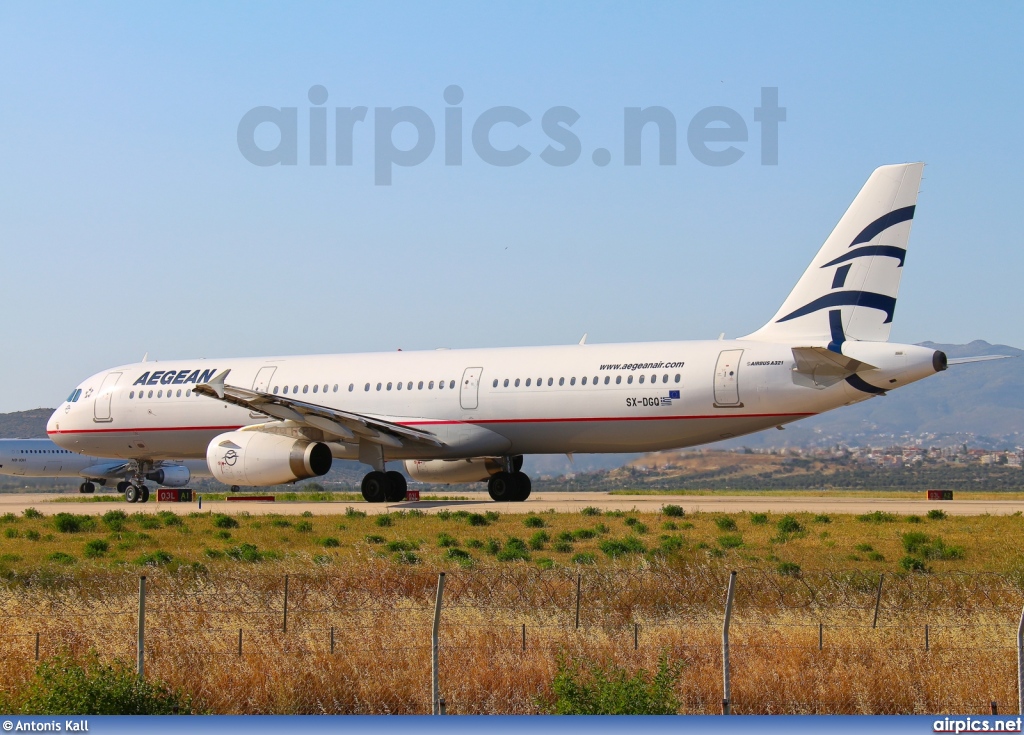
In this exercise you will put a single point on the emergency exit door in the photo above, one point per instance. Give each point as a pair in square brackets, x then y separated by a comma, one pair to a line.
[727, 373]
[262, 385]
[101, 404]
[470, 394]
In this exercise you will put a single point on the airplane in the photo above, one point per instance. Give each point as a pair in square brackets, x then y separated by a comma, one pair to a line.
[43, 458]
[471, 414]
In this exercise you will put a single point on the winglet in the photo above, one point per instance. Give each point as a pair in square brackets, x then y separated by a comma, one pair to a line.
[215, 386]
[979, 358]
[584, 340]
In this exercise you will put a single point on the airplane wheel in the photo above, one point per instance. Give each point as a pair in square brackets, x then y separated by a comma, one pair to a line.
[524, 486]
[375, 487]
[89, 488]
[144, 497]
[234, 488]
[131, 494]
[81, 488]
[123, 486]
[502, 487]
[397, 486]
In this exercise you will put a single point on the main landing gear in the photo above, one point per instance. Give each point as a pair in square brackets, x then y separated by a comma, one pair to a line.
[509, 486]
[381, 487]
[87, 487]
[133, 493]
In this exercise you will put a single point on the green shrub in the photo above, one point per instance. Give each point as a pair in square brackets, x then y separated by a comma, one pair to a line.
[583, 558]
[353, 513]
[70, 523]
[445, 540]
[214, 554]
[632, 521]
[384, 521]
[63, 686]
[582, 534]
[8, 518]
[591, 511]
[673, 511]
[913, 519]
[330, 542]
[875, 556]
[914, 540]
[304, 527]
[32, 534]
[562, 547]
[936, 515]
[514, 550]
[493, 546]
[669, 526]
[912, 564]
[671, 544]
[158, 558]
[730, 540]
[402, 545]
[538, 539]
[492, 516]
[224, 521]
[533, 522]
[59, 557]
[170, 518]
[758, 519]
[864, 547]
[454, 553]
[725, 523]
[444, 515]
[601, 528]
[31, 513]
[306, 514]
[321, 559]
[374, 539]
[149, 523]
[788, 569]
[476, 519]
[877, 516]
[475, 543]
[582, 687]
[115, 520]
[223, 535]
[96, 548]
[822, 519]
[621, 547]
[789, 524]
[246, 552]
[544, 562]
[407, 557]
[10, 533]
[281, 523]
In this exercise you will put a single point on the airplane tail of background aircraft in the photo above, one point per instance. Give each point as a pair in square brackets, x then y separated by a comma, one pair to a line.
[849, 290]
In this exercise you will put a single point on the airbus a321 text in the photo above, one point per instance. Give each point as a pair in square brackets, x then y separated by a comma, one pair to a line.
[471, 415]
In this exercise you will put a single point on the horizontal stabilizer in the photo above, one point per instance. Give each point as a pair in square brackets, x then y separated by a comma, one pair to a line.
[821, 361]
[979, 358]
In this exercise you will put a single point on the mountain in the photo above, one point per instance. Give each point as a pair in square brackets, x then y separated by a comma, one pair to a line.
[24, 424]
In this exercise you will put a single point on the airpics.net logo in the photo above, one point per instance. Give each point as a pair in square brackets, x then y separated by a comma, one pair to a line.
[715, 136]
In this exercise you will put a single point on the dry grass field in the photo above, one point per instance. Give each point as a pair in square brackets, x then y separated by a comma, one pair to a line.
[649, 584]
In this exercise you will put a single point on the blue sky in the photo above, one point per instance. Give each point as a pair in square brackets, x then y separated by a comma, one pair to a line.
[130, 222]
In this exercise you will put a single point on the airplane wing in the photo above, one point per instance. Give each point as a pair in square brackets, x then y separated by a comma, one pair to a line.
[822, 361]
[347, 426]
[979, 358]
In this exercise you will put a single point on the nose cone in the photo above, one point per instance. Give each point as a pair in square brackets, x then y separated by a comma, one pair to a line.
[53, 426]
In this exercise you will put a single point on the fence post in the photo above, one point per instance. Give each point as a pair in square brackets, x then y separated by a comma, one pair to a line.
[1020, 664]
[726, 689]
[821, 635]
[579, 584]
[995, 707]
[436, 704]
[878, 600]
[285, 625]
[927, 643]
[37, 646]
[239, 641]
[140, 667]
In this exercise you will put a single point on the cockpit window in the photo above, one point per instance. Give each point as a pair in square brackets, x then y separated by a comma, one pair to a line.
[75, 395]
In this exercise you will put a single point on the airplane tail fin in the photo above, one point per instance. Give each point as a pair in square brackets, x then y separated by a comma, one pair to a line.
[849, 290]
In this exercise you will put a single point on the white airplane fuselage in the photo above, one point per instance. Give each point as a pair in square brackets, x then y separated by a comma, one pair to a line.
[580, 398]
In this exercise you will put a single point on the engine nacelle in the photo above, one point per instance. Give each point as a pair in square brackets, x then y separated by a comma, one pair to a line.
[171, 476]
[258, 458]
[444, 471]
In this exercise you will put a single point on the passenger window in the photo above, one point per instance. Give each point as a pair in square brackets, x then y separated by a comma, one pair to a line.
[584, 381]
[179, 393]
[132, 394]
[286, 390]
[189, 392]
[378, 386]
[641, 379]
[275, 390]
[572, 381]
[430, 385]
[551, 381]
[440, 385]
[527, 382]
[315, 388]
[419, 386]
[677, 377]
[389, 386]
[495, 385]
[561, 381]
[352, 387]
[336, 387]
[654, 378]
[451, 384]
[505, 384]
[517, 382]
[295, 389]
[606, 379]
[399, 385]
[159, 394]
[367, 388]
[664, 378]
[305, 388]
[629, 380]
[618, 379]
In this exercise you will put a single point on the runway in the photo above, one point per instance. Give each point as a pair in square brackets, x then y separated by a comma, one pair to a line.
[538, 502]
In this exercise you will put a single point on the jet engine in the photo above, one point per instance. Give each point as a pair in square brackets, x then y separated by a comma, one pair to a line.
[171, 476]
[257, 458]
[447, 471]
